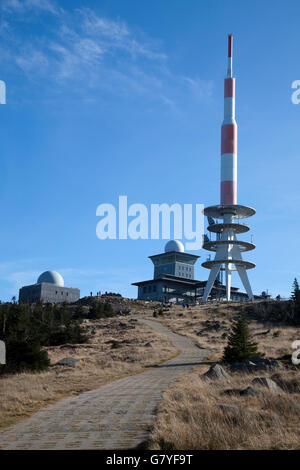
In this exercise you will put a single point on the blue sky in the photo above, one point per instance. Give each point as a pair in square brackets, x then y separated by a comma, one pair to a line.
[109, 98]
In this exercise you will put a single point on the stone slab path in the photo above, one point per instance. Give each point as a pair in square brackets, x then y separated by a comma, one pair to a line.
[115, 416]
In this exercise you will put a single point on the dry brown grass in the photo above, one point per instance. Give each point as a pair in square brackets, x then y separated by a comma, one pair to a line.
[23, 394]
[189, 322]
[189, 416]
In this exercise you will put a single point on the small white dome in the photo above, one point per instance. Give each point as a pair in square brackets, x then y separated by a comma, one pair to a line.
[174, 245]
[51, 277]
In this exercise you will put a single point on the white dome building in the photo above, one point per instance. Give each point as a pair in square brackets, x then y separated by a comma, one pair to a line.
[174, 245]
[50, 287]
[51, 277]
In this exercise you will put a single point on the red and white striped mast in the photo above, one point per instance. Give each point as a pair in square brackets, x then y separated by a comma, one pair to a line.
[228, 249]
[229, 137]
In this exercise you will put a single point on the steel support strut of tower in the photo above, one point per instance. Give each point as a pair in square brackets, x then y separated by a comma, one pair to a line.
[228, 254]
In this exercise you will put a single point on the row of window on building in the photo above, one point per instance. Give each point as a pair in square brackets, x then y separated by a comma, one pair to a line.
[184, 268]
[148, 289]
[189, 276]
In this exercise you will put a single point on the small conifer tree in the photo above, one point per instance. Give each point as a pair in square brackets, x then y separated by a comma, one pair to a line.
[296, 291]
[239, 346]
[295, 298]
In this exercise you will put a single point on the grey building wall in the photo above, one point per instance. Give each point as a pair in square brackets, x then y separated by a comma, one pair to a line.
[48, 293]
[30, 294]
[179, 269]
[161, 269]
[166, 291]
[184, 270]
[150, 291]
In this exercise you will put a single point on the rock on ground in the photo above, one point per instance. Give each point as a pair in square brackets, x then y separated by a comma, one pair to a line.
[242, 366]
[267, 383]
[67, 361]
[255, 364]
[250, 391]
[291, 385]
[217, 372]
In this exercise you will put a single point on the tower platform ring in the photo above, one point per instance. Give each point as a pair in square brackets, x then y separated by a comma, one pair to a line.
[237, 211]
[212, 245]
[237, 228]
[237, 262]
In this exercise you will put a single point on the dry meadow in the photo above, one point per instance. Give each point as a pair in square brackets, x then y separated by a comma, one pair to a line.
[112, 352]
[198, 413]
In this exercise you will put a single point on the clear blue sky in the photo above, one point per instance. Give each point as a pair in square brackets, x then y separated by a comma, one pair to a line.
[114, 97]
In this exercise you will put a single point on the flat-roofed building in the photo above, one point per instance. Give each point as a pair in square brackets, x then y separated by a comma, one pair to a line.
[50, 287]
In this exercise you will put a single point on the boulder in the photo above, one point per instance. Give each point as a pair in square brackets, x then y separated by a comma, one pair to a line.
[255, 364]
[217, 372]
[289, 384]
[250, 391]
[256, 359]
[149, 345]
[67, 361]
[265, 362]
[267, 383]
[243, 366]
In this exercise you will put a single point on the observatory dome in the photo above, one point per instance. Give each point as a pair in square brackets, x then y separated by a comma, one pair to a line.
[174, 245]
[51, 277]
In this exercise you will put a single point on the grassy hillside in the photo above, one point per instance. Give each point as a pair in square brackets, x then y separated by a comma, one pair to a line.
[113, 348]
[196, 412]
[202, 413]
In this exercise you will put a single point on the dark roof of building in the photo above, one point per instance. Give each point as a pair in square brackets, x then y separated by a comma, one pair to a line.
[181, 254]
[170, 278]
[195, 283]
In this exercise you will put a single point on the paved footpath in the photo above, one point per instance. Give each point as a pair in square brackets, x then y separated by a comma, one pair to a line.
[115, 416]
